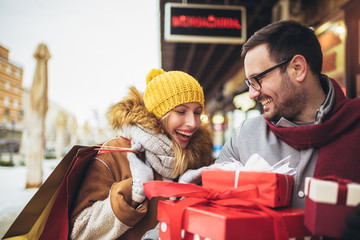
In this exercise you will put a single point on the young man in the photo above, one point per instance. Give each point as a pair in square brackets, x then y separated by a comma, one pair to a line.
[306, 116]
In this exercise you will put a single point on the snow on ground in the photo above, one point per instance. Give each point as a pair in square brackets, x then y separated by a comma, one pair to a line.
[13, 195]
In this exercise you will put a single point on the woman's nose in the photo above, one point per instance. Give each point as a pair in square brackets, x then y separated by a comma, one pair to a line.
[191, 120]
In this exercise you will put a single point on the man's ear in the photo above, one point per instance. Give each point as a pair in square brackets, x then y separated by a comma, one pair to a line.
[299, 67]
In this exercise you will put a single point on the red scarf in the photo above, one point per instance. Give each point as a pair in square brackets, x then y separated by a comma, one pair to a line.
[338, 138]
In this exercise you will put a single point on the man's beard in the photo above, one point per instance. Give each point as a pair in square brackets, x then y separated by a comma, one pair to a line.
[292, 102]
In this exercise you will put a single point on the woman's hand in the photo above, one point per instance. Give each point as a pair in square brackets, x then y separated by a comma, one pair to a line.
[141, 173]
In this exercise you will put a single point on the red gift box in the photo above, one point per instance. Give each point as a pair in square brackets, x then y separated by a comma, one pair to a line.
[274, 188]
[209, 222]
[328, 202]
[231, 214]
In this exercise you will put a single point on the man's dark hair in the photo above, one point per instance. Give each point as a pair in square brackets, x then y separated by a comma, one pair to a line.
[284, 39]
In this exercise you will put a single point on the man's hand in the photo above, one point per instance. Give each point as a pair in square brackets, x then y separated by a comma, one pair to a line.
[194, 175]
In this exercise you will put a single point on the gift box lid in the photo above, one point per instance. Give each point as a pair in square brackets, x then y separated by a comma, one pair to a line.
[275, 189]
[326, 191]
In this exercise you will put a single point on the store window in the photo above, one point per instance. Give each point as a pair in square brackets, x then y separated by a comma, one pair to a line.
[6, 101]
[16, 103]
[331, 36]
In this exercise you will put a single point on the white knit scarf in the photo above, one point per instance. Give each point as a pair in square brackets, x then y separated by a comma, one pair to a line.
[159, 151]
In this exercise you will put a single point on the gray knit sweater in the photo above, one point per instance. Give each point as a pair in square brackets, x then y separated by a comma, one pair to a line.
[254, 136]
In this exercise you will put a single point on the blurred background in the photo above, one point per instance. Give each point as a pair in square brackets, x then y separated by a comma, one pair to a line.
[97, 49]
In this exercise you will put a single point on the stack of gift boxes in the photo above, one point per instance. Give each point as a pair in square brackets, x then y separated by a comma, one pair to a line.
[261, 211]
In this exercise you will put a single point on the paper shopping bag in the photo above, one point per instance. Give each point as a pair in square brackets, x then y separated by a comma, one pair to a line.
[31, 221]
[57, 223]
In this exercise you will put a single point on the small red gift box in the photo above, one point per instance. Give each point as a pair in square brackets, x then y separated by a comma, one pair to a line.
[209, 222]
[328, 202]
[274, 188]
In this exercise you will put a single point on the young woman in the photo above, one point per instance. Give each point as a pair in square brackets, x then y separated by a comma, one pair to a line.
[160, 137]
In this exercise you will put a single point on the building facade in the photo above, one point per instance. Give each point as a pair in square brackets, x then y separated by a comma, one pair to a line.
[11, 111]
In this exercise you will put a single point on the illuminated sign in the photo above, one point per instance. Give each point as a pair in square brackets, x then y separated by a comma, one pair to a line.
[205, 23]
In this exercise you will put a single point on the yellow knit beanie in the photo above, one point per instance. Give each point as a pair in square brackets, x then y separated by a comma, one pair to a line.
[166, 90]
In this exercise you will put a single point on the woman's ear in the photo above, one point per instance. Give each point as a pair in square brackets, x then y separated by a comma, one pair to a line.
[299, 67]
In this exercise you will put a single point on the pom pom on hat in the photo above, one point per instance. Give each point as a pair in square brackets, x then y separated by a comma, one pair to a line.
[152, 74]
[166, 90]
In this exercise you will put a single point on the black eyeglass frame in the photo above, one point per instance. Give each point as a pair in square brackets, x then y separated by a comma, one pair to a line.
[257, 77]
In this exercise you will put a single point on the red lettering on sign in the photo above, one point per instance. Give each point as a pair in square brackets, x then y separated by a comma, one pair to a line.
[203, 22]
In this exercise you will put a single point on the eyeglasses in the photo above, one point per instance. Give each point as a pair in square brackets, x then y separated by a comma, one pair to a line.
[254, 80]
